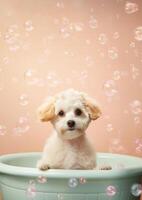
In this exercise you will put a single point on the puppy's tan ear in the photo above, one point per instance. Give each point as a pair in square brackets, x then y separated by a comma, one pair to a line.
[46, 111]
[92, 107]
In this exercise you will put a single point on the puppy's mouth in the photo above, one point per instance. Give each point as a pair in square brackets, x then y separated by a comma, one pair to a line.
[71, 129]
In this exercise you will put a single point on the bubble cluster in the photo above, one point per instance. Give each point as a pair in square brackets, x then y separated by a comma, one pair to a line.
[24, 100]
[102, 38]
[109, 88]
[3, 130]
[93, 23]
[31, 190]
[136, 190]
[131, 7]
[138, 33]
[73, 182]
[113, 53]
[111, 190]
[22, 126]
[12, 38]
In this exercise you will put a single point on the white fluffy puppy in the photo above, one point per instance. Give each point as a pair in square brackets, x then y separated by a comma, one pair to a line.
[70, 112]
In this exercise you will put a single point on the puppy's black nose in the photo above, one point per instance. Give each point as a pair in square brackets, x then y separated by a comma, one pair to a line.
[71, 123]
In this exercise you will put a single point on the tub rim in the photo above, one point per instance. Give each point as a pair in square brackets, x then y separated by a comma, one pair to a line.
[63, 173]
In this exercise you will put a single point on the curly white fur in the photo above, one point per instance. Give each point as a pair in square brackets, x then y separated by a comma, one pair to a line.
[68, 147]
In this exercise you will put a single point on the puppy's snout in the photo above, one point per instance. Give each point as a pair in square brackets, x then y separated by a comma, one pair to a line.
[71, 124]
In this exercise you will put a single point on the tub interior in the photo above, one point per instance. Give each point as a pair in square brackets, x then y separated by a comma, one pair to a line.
[115, 160]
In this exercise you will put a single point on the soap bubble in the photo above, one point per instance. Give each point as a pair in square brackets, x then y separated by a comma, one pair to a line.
[73, 182]
[132, 44]
[138, 33]
[137, 120]
[131, 7]
[111, 190]
[59, 196]
[24, 100]
[22, 126]
[113, 53]
[116, 146]
[93, 23]
[31, 190]
[135, 71]
[42, 179]
[82, 180]
[30, 76]
[5, 60]
[3, 130]
[136, 190]
[78, 26]
[60, 4]
[29, 26]
[102, 38]
[109, 127]
[116, 35]
[136, 107]
[110, 88]
[116, 75]
[138, 143]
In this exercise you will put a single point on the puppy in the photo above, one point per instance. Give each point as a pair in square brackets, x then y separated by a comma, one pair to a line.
[70, 112]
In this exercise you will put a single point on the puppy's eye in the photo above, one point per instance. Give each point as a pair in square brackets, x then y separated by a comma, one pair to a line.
[61, 113]
[78, 112]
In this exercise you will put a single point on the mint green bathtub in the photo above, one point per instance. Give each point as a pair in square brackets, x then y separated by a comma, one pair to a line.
[20, 180]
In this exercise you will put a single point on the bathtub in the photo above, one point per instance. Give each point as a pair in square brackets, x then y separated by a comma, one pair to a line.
[20, 180]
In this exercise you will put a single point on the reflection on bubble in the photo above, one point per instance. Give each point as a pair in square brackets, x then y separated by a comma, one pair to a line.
[60, 196]
[136, 107]
[3, 130]
[93, 23]
[102, 38]
[113, 53]
[136, 190]
[111, 190]
[131, 7]
[24, 100]
[138, 33]
[110, 88]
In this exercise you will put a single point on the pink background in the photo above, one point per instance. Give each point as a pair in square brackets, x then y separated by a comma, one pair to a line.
[93, 46]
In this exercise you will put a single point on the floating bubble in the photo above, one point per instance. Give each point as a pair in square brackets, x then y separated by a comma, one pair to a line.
[29, 26]
[131, 7]
[31, 190]
[78, 26]
[135, 71]
[60, 196]
[73, 182]
[5, 60]
[24, 100]
[113, 53]
[137, 120]
[111, 190]
[110, 88]
[93, 23]
[138, 33]
[109, 127]
[30, 76]
[138, 144]
[102, 38]
[136, 190]
[132, 44]
[82, 180]
[116, 75]
[42, 179]
[116, 146]
[3, 130]
[22, 126]
[116, 35]
[136, 107]
[60, 4]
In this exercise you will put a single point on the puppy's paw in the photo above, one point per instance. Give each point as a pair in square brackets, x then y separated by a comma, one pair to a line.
[105, 167]
[42, 165]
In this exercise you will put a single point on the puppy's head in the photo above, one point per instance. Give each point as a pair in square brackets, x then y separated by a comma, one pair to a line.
[70, 113]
